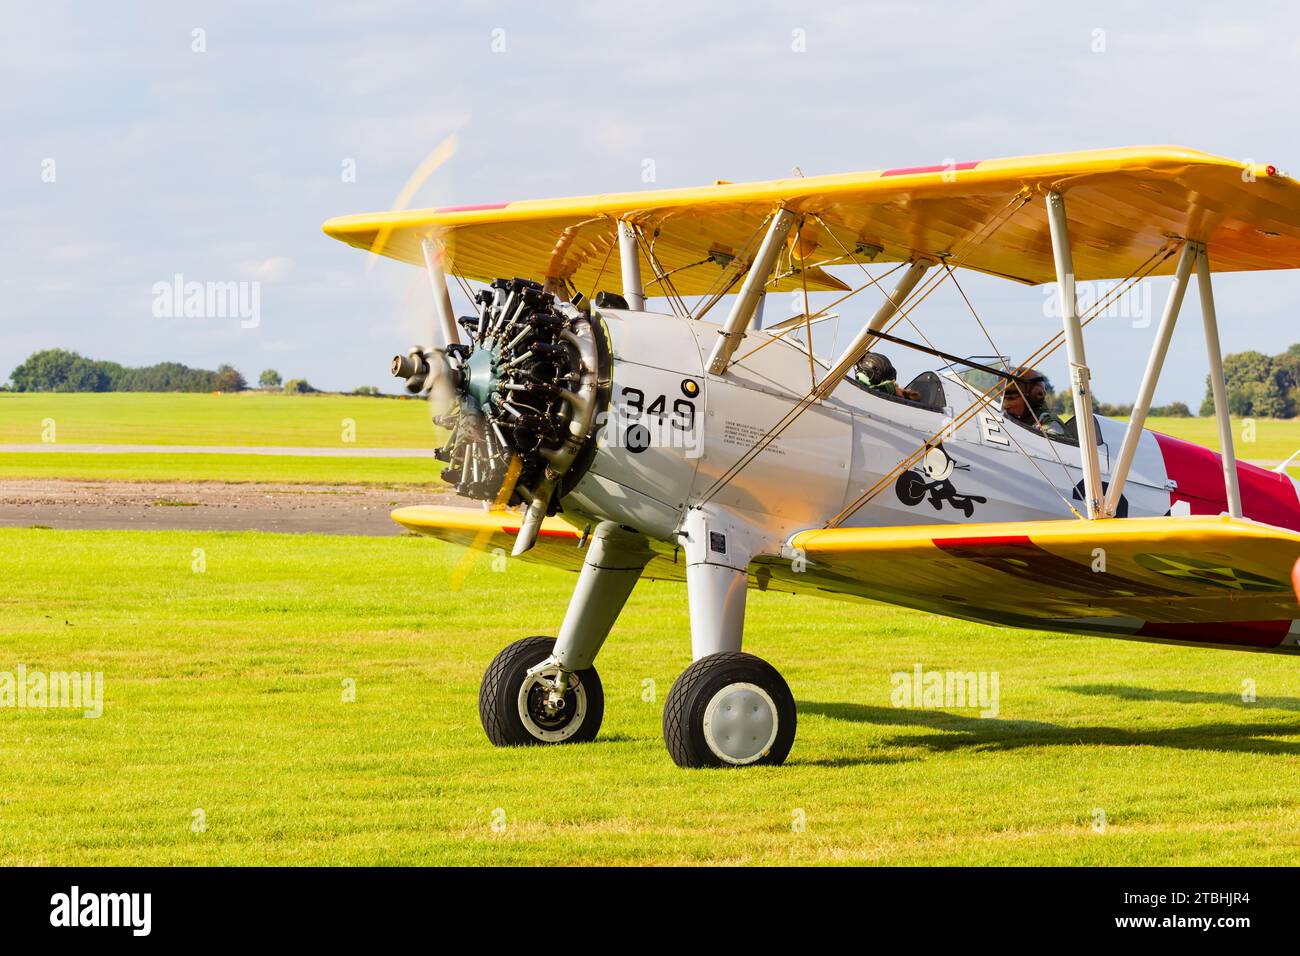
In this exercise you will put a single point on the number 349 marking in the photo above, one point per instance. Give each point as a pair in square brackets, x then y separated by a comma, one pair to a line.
[683, 409]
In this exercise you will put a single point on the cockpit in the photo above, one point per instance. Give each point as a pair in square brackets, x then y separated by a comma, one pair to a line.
[925, 390]
[949, 389]
[953, 388]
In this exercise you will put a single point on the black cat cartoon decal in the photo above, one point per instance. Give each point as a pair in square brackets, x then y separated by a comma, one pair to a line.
[933, 476]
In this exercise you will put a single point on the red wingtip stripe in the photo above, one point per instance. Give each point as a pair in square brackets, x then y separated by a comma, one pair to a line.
[941, 168]
[473, 208]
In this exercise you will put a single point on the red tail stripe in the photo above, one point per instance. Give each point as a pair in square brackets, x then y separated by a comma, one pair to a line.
[1265, 495]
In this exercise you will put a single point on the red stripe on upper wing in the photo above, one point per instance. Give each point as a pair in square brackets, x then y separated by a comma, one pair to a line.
[475, 208]
[942, 168]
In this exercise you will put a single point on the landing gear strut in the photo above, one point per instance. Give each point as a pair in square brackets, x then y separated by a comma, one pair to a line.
[544, 690]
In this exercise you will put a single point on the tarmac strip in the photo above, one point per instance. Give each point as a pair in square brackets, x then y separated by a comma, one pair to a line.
[341, 451]
[210, 506]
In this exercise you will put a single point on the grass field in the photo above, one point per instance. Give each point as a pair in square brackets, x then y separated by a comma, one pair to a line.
[224, 693]
[250, 418]
[191, 419]
[1262, 439]
[257, 418]
[288, 469]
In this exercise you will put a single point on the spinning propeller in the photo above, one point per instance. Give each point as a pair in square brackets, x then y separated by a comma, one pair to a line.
[518, 396]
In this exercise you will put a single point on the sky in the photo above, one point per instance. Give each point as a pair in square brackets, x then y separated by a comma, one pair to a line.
[146, 141]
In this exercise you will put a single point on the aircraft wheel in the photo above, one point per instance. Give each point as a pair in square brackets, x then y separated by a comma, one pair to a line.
[516, 710]
[729, 710]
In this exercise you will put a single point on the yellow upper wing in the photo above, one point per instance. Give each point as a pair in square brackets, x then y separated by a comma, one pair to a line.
[1122, 205]
[1205, 579]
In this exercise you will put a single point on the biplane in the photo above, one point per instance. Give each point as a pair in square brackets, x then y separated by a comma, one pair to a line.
[610, 429]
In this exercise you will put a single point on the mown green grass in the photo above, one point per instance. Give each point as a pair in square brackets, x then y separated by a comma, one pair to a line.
[224, 693]
[252, 418]
[1264, 439]
[287, 469]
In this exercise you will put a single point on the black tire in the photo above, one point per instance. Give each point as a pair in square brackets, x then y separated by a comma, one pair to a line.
[498, 699]
[688, 701]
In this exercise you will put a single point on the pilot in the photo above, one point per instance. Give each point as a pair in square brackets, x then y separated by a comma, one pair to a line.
[876, 372]
[1025, 400]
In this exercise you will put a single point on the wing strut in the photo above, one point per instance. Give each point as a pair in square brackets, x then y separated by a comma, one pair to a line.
[994, 392]
[441, 296]
[630, 259]
[1217, 382]
[742, 310]
[892, 305]
[1193, 255]
[1155, 362]
[1079, 375]
[888, 309]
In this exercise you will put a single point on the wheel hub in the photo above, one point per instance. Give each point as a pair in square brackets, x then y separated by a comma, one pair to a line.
[549, 713]
[740, 723]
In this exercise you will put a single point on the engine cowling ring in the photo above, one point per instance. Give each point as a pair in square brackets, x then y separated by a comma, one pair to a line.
[529, 386]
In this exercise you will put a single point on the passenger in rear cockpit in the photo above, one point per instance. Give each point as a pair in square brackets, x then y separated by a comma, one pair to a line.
[877, 373]
[1025, 400]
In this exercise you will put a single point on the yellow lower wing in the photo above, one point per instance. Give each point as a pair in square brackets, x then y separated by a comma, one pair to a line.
[557, 542]
[1202, 579]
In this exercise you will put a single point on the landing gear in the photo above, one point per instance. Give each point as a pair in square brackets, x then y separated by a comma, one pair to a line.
[544, 690]
[729, 710]
[527, 698]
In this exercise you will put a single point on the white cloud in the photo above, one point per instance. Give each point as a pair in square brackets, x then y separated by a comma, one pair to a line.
[267, 270]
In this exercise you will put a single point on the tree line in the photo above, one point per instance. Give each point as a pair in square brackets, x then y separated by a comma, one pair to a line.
[1062, 405]
[1259, 385]
[60, 370]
